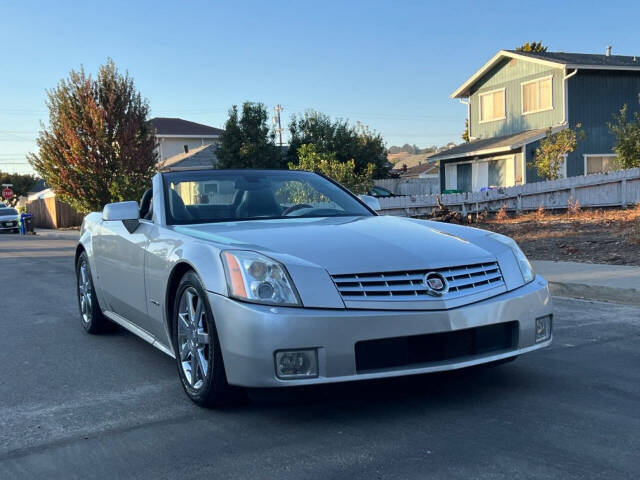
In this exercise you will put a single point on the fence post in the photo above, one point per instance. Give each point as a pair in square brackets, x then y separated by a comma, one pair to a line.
[623, 193]
[519, 204]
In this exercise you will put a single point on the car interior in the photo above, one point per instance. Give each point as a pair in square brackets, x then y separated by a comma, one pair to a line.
[247, 202]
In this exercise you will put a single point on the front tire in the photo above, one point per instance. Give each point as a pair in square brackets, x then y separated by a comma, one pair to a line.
[197, 347]
[93, 320]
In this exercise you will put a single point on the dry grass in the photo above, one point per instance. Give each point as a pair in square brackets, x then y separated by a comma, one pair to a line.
[574, 209]
[633, 235]
[502, 214]
[585, 235]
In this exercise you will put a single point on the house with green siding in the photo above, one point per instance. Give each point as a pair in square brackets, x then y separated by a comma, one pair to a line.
[516, 97]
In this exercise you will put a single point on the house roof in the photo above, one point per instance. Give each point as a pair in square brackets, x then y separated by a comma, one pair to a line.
[179, 127]
[553, 59]
[487, 146]
[204, 156]
[584, 60]
[417, 170]
[39, 186]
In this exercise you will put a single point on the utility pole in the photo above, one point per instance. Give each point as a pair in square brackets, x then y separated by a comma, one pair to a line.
[276, 121]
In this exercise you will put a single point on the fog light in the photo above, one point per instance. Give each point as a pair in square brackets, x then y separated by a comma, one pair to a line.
[543, 328]
[297, 364]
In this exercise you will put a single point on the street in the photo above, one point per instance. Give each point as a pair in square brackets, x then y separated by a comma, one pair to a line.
[73, 405]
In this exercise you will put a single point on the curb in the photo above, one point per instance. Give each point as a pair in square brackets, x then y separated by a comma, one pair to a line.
[626, 296]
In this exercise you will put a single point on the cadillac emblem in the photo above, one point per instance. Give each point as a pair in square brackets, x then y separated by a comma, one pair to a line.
[436, 284]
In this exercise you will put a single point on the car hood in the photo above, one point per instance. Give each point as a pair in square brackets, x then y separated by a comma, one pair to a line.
[348, 244]
[4, 218]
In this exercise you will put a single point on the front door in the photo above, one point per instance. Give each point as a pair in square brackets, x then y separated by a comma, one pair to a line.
[120, 258]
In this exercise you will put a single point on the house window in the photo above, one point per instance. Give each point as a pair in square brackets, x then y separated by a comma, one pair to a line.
[492, 106]
[599, 163]
[537, 95]
[497, 173]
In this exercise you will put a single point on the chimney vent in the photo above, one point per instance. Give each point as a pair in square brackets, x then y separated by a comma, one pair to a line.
[608, 54]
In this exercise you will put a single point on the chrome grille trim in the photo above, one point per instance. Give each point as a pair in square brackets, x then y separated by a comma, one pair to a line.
[462, 280]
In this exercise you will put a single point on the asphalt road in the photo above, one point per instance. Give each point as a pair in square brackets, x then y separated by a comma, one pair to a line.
[74, 405]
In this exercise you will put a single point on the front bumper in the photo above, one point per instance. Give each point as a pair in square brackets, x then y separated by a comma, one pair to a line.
[8, 226]
[251, 334]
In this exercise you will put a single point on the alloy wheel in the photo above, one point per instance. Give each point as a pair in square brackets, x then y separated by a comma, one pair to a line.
[85, 292]
[193, 338]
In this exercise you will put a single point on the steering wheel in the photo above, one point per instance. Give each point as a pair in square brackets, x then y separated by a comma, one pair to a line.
[295, 207]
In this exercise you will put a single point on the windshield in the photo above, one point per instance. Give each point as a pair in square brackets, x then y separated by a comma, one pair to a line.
[8, 211]
[233, 195]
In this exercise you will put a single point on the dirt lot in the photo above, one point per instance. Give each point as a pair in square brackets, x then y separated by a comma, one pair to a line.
[595, 236]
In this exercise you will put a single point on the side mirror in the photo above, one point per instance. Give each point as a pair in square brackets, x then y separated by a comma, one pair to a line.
[371, 202]
[126, 212]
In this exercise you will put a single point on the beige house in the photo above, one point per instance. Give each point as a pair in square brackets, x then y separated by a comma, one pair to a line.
[177, 136]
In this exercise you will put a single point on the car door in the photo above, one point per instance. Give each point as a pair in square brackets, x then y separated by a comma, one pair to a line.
[120, 258]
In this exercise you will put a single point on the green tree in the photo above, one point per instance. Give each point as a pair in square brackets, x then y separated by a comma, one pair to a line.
[310, 159]
[247, 141]
[20, 184]
[627, 133]
[99, 146]
[347, 142]
[553, 148]
[531, 47]
[465, 133]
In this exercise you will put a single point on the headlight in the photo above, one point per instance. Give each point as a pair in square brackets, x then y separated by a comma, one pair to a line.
[525, 267]
[256, 278]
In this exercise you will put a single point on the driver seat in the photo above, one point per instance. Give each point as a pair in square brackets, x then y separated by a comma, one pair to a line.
[258, 203]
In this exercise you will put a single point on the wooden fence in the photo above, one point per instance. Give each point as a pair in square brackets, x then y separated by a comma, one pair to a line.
[617, 188]
[52, 213]
[410, 186]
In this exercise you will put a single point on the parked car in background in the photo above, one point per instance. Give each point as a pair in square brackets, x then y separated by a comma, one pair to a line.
[268, 278]
[9, 220]
[377, 191]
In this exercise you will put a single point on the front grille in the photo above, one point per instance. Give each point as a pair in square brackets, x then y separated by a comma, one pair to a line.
[409, 285]
[422, 350]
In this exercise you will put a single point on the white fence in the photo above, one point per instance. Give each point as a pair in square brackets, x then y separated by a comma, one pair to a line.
[618, 188]
[410, 186]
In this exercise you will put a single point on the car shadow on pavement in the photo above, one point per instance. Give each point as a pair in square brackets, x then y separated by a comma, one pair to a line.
[450, 390]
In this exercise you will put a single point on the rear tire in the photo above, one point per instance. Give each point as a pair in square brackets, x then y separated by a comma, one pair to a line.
[91, 316]
[197, 347]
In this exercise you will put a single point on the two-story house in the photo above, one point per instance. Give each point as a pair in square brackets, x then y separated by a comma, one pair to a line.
[516, 97]
[177, 136]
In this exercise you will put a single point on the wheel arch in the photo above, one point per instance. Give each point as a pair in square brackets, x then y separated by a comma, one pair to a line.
[79, 249]
[179, 270]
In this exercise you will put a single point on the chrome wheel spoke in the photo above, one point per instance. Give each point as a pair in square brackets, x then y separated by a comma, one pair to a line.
[190, 308]
[183, 323]
[84, 292]
[197, 316]
[193, 338]
[194, 369]
[202, 363]
[183, 345]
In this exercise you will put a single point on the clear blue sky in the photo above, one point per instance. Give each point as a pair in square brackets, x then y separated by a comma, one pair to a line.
[391, 65]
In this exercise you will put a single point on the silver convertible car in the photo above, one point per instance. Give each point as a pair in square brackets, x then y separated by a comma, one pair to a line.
[268, 278]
